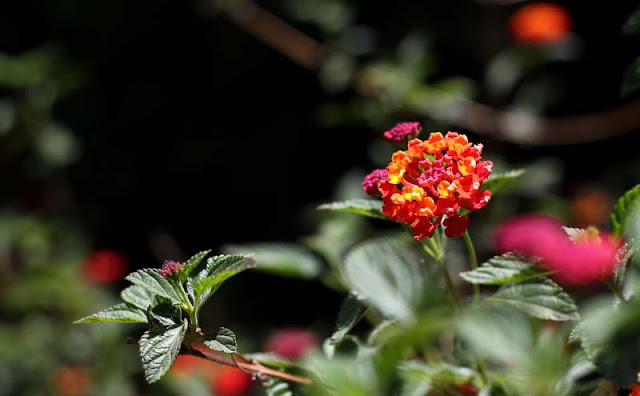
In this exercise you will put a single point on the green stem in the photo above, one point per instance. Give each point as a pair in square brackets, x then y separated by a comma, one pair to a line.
[188, 306]
[617, 291]
[452, 287]
[474, 261]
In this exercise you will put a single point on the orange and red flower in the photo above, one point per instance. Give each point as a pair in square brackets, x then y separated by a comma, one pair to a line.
[539, 23]
[635, 390]
[433, 179]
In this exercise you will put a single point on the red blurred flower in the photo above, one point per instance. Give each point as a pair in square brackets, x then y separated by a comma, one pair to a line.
[106, 265]
[72, 381]
[635, 390]
[372, 180]
[591, 207]
[230, 381]
[584, 259]
[540, 23]
[291, 343]
[467, 389]
[403, 132]
[435, 178]
[188, 365]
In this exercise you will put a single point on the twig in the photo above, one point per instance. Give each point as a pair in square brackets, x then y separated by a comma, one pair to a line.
[249, 367]
[506, 126]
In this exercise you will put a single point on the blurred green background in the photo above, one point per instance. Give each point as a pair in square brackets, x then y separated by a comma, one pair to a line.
[137, 131]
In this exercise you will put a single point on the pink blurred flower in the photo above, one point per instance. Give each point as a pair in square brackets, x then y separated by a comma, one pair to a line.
[372, 180]
[581, 260]
[402, 132]
[291, 343]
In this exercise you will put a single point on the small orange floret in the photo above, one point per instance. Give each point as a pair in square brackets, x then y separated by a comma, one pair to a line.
[538, 23]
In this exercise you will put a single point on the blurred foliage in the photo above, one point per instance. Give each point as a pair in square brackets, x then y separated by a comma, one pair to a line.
[395, 333]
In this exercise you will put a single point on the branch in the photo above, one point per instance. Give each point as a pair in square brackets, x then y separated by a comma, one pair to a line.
[255, 368]
[507, 126]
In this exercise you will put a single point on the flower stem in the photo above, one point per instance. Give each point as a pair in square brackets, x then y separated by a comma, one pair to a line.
[617, 291]
[474, 261]
[189, 307]
[452, 287]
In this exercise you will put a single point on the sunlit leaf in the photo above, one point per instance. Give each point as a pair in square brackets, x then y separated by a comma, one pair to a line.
[542, 299]
[351, 311]
[277, 387]
[192, 263]
[224, 341]
[365, 207]
[500, 270]
[218, 269]
[120, 313]
[165, 314]
[624, 208]
[152, 280]
[281, 259]
[159, 348]
[137, 296]
[497, 182]
[386, 273]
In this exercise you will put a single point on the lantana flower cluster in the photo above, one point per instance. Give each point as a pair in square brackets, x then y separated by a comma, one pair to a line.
[428, 184]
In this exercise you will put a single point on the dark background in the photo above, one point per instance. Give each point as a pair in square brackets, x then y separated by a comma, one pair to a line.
[191, 127]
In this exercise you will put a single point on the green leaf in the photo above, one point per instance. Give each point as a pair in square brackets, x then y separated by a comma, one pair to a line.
[497, 182]
[137, 296]
[277, 387]
[500, 270]
[421, 378]
[631, 78]
[166, 314]
[624, 208]
[542, 299]
[350, 313]
[218, 269]
[120, 313]
[224, 341]
[152, 280]
[191, 264]
[632, 24]
[385, 271]
[384, 331]
[365, 207]
[281, 259]
[159, 348]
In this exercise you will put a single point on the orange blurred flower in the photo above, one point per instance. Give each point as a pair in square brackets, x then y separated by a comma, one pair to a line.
[230, 381]
[538, 23]
[72, 380]
[591, 208]
[635, 390]
[106, 265]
